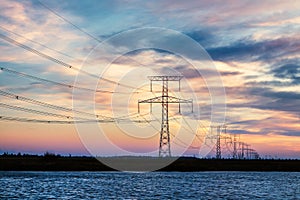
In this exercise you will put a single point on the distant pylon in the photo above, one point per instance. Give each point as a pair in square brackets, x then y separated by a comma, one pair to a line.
[218, 145]
[218, 138]
[165, 100]
[234, 147]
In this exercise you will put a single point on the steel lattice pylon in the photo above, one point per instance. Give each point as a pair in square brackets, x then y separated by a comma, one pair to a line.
[220, 130]
[165, 100]
[218, 145]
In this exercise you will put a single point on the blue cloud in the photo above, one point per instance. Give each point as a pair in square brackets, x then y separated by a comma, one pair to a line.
[288, 71]
[249, 50]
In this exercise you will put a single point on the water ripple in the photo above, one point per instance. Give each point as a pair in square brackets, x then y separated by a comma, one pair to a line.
[155, 185]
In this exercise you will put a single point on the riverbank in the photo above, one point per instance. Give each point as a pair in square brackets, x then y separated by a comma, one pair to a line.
[184, 164]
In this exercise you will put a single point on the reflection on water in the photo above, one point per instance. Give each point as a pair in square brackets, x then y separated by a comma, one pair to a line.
[157, 185]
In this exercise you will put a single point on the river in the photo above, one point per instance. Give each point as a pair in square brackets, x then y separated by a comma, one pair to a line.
[154, 185]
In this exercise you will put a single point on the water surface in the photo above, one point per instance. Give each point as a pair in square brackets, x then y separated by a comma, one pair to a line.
[155, 185]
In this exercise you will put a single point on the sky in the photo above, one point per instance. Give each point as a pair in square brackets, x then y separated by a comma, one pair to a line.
[239, 55]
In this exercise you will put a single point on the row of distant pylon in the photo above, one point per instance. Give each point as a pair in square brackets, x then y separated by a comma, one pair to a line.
[240, 150]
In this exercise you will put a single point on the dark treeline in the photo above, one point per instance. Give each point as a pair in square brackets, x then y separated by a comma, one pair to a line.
[54, 155]
[55, 162]
[46, 155]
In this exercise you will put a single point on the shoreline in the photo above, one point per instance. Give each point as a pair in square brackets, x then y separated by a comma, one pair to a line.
[182, 164]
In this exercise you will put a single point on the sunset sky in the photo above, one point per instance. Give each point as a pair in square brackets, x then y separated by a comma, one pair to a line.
[253, 55]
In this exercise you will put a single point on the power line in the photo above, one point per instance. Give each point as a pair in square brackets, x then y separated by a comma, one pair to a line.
[65, 109]
[189, 131]
[183, 144]
[12, 41]
[21, 119]
[69, 22]
[43, 55]
[55, 107]
[61, 84]
[80, 29]
[62, 53]
[28, 110]
[21, 74]
[18, 119]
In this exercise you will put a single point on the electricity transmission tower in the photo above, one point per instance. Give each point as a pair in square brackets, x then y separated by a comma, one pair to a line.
[165, 100]
[218, 137]
[218, 142]
[234, 154]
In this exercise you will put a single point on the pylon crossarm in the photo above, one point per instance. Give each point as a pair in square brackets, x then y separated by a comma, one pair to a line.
[152, 100]
[171, 99]
[165, 78]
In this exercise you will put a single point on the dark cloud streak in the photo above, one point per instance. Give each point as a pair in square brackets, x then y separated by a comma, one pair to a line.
[250, 50]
